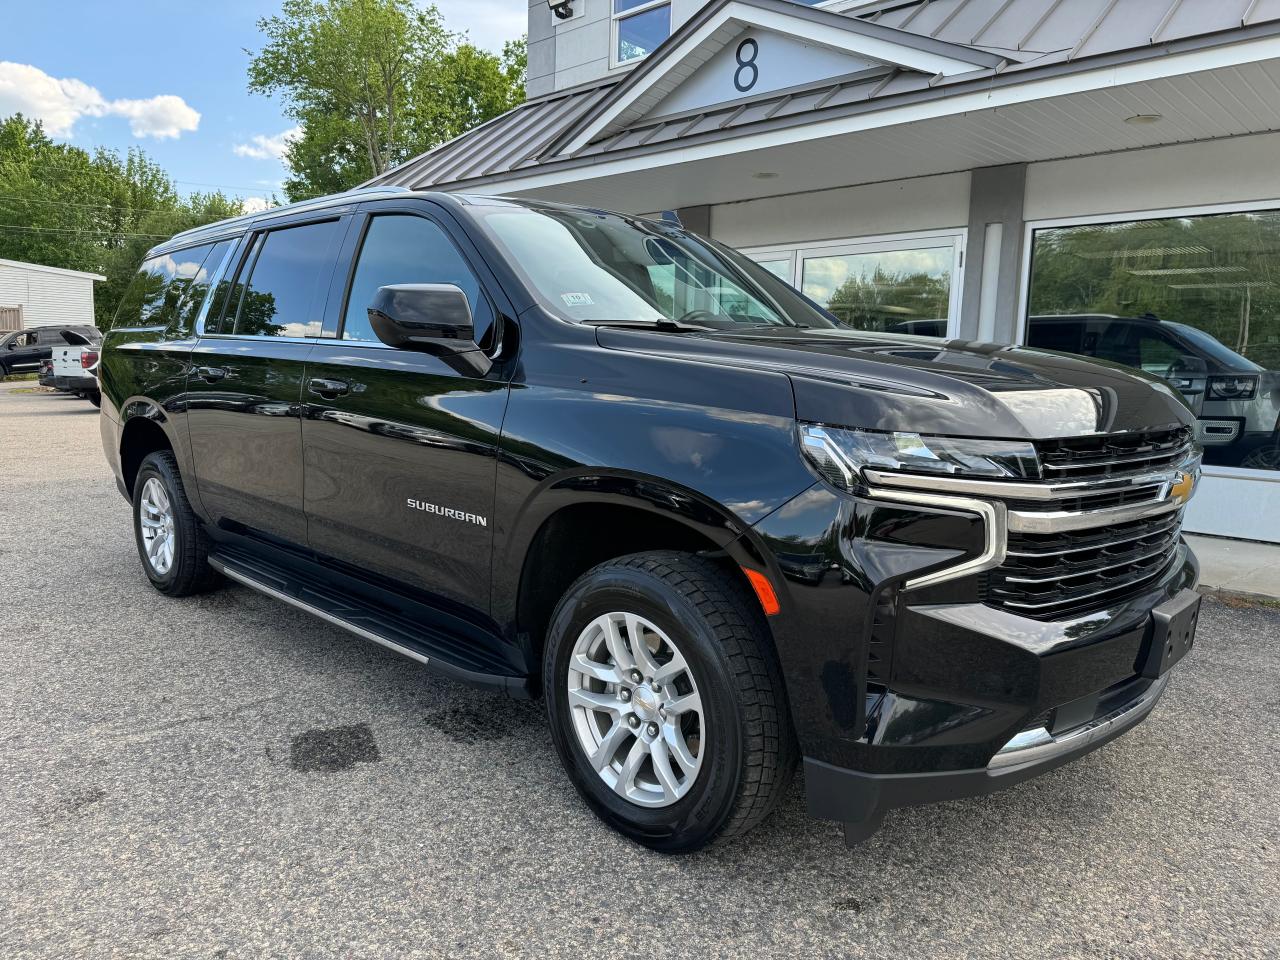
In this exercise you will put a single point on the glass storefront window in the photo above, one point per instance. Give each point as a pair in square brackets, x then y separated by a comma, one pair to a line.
[895, 290]
[1194, 300]
[779, 268]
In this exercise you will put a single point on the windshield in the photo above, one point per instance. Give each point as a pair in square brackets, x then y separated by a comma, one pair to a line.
[1215, 349]
[597, 267]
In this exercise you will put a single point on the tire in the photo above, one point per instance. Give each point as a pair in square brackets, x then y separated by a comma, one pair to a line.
[95, 397]
[692, 608]
[187, 570]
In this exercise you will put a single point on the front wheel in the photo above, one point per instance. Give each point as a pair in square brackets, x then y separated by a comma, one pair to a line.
[666, 700]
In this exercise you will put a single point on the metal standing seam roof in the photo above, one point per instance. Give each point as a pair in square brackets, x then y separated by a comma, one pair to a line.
[1026, 34]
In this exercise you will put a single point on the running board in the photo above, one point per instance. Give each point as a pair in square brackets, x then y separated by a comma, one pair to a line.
[345, 610]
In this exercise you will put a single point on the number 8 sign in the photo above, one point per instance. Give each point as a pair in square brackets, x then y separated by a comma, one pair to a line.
[745, 77]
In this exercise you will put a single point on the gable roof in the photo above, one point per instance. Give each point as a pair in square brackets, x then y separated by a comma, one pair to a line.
[717, 24]
[41, 268]
[1001, 42]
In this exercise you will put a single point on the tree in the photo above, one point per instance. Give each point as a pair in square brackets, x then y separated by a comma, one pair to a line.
[878, 301]
[66, 207]
[373, 83]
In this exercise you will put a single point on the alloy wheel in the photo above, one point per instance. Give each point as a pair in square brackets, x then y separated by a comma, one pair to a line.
[155, 515]
[636, 709]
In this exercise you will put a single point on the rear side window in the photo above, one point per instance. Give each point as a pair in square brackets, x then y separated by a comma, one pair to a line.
[153, 296]
[288, 272]
[198, 291]
[401, 248]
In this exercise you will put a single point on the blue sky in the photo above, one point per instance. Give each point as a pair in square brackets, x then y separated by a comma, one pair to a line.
[170, 78]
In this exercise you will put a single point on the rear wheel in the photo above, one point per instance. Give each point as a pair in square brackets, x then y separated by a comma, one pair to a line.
[171, 543]
[666, 701]
[95, 397]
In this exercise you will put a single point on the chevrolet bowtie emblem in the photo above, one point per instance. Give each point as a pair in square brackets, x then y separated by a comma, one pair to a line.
[1183, 487]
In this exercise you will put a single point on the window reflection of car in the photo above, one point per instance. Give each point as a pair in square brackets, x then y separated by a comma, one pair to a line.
[1236, 401]
[920, 328]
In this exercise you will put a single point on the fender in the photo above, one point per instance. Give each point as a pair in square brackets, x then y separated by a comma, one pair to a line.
[711, 447]
[702, 516]
[174, 429]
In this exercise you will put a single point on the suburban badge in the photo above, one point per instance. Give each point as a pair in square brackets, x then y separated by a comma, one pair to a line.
[446, 512]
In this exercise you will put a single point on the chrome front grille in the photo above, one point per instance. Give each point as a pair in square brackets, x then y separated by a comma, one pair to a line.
[1101, 524]
[1051, 575]
[1089, 458]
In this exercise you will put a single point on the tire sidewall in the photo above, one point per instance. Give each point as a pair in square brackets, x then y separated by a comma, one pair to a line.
[695, 818]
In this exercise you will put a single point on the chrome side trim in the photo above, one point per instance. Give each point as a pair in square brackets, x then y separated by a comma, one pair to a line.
[1033, 746]
[315, 611]
[995, 526]
[1018, 490]
[1058, 521]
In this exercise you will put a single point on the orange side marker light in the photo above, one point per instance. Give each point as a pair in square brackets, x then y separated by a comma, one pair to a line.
[764, 591]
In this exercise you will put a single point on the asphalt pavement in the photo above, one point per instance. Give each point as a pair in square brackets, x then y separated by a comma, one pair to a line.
[224, 776]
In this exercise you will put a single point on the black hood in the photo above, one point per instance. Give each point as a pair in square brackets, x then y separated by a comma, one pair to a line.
[927, 385]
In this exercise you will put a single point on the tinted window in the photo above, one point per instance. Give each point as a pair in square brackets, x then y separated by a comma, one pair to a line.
[282, 297]
[198, 290]
[408, 249]
[1064, 336]
[153, 295]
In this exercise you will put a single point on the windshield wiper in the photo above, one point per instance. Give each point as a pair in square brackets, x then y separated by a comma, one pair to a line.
[662, 324]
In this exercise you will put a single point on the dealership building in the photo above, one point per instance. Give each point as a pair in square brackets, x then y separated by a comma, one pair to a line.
[1095, 176]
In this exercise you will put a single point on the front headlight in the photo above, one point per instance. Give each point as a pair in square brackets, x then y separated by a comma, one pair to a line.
[1232, 388]
[840, 455]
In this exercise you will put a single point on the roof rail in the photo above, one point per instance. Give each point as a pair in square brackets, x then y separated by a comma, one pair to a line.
[296, 205]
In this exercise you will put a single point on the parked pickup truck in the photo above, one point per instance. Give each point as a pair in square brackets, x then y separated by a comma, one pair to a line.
[75, 366]
[563, 452]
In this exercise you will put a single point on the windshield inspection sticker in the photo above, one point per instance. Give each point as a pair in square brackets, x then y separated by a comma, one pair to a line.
[576, 299]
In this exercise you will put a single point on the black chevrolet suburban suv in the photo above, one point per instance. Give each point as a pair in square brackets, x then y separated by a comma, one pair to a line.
[564, 452]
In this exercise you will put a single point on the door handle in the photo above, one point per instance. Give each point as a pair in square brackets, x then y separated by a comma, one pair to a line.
[211, 374]
[328, 388]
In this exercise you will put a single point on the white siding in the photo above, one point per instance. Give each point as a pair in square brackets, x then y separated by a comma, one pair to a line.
[47, 297]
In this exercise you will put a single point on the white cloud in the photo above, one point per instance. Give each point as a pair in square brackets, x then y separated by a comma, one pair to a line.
[263, 147]
[60, 102]
[160, 117]
[254, 204]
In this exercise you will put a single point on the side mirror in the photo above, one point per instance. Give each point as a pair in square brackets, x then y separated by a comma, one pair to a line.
[432, 318]
[1183, 373]
[1189, 365]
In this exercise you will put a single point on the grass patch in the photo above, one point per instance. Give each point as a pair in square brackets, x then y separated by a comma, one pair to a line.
[14, 377]
[1239, 601]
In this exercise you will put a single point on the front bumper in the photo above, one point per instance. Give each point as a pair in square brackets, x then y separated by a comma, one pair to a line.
[907, 688]
[86, 383]
[860, 799]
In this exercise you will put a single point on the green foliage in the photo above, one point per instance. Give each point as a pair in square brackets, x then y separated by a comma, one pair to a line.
[64, 207]
[1217, 273]
[878, 301]
[373, 83]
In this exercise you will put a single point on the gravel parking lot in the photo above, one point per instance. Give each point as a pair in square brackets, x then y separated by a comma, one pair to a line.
[227, 777]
